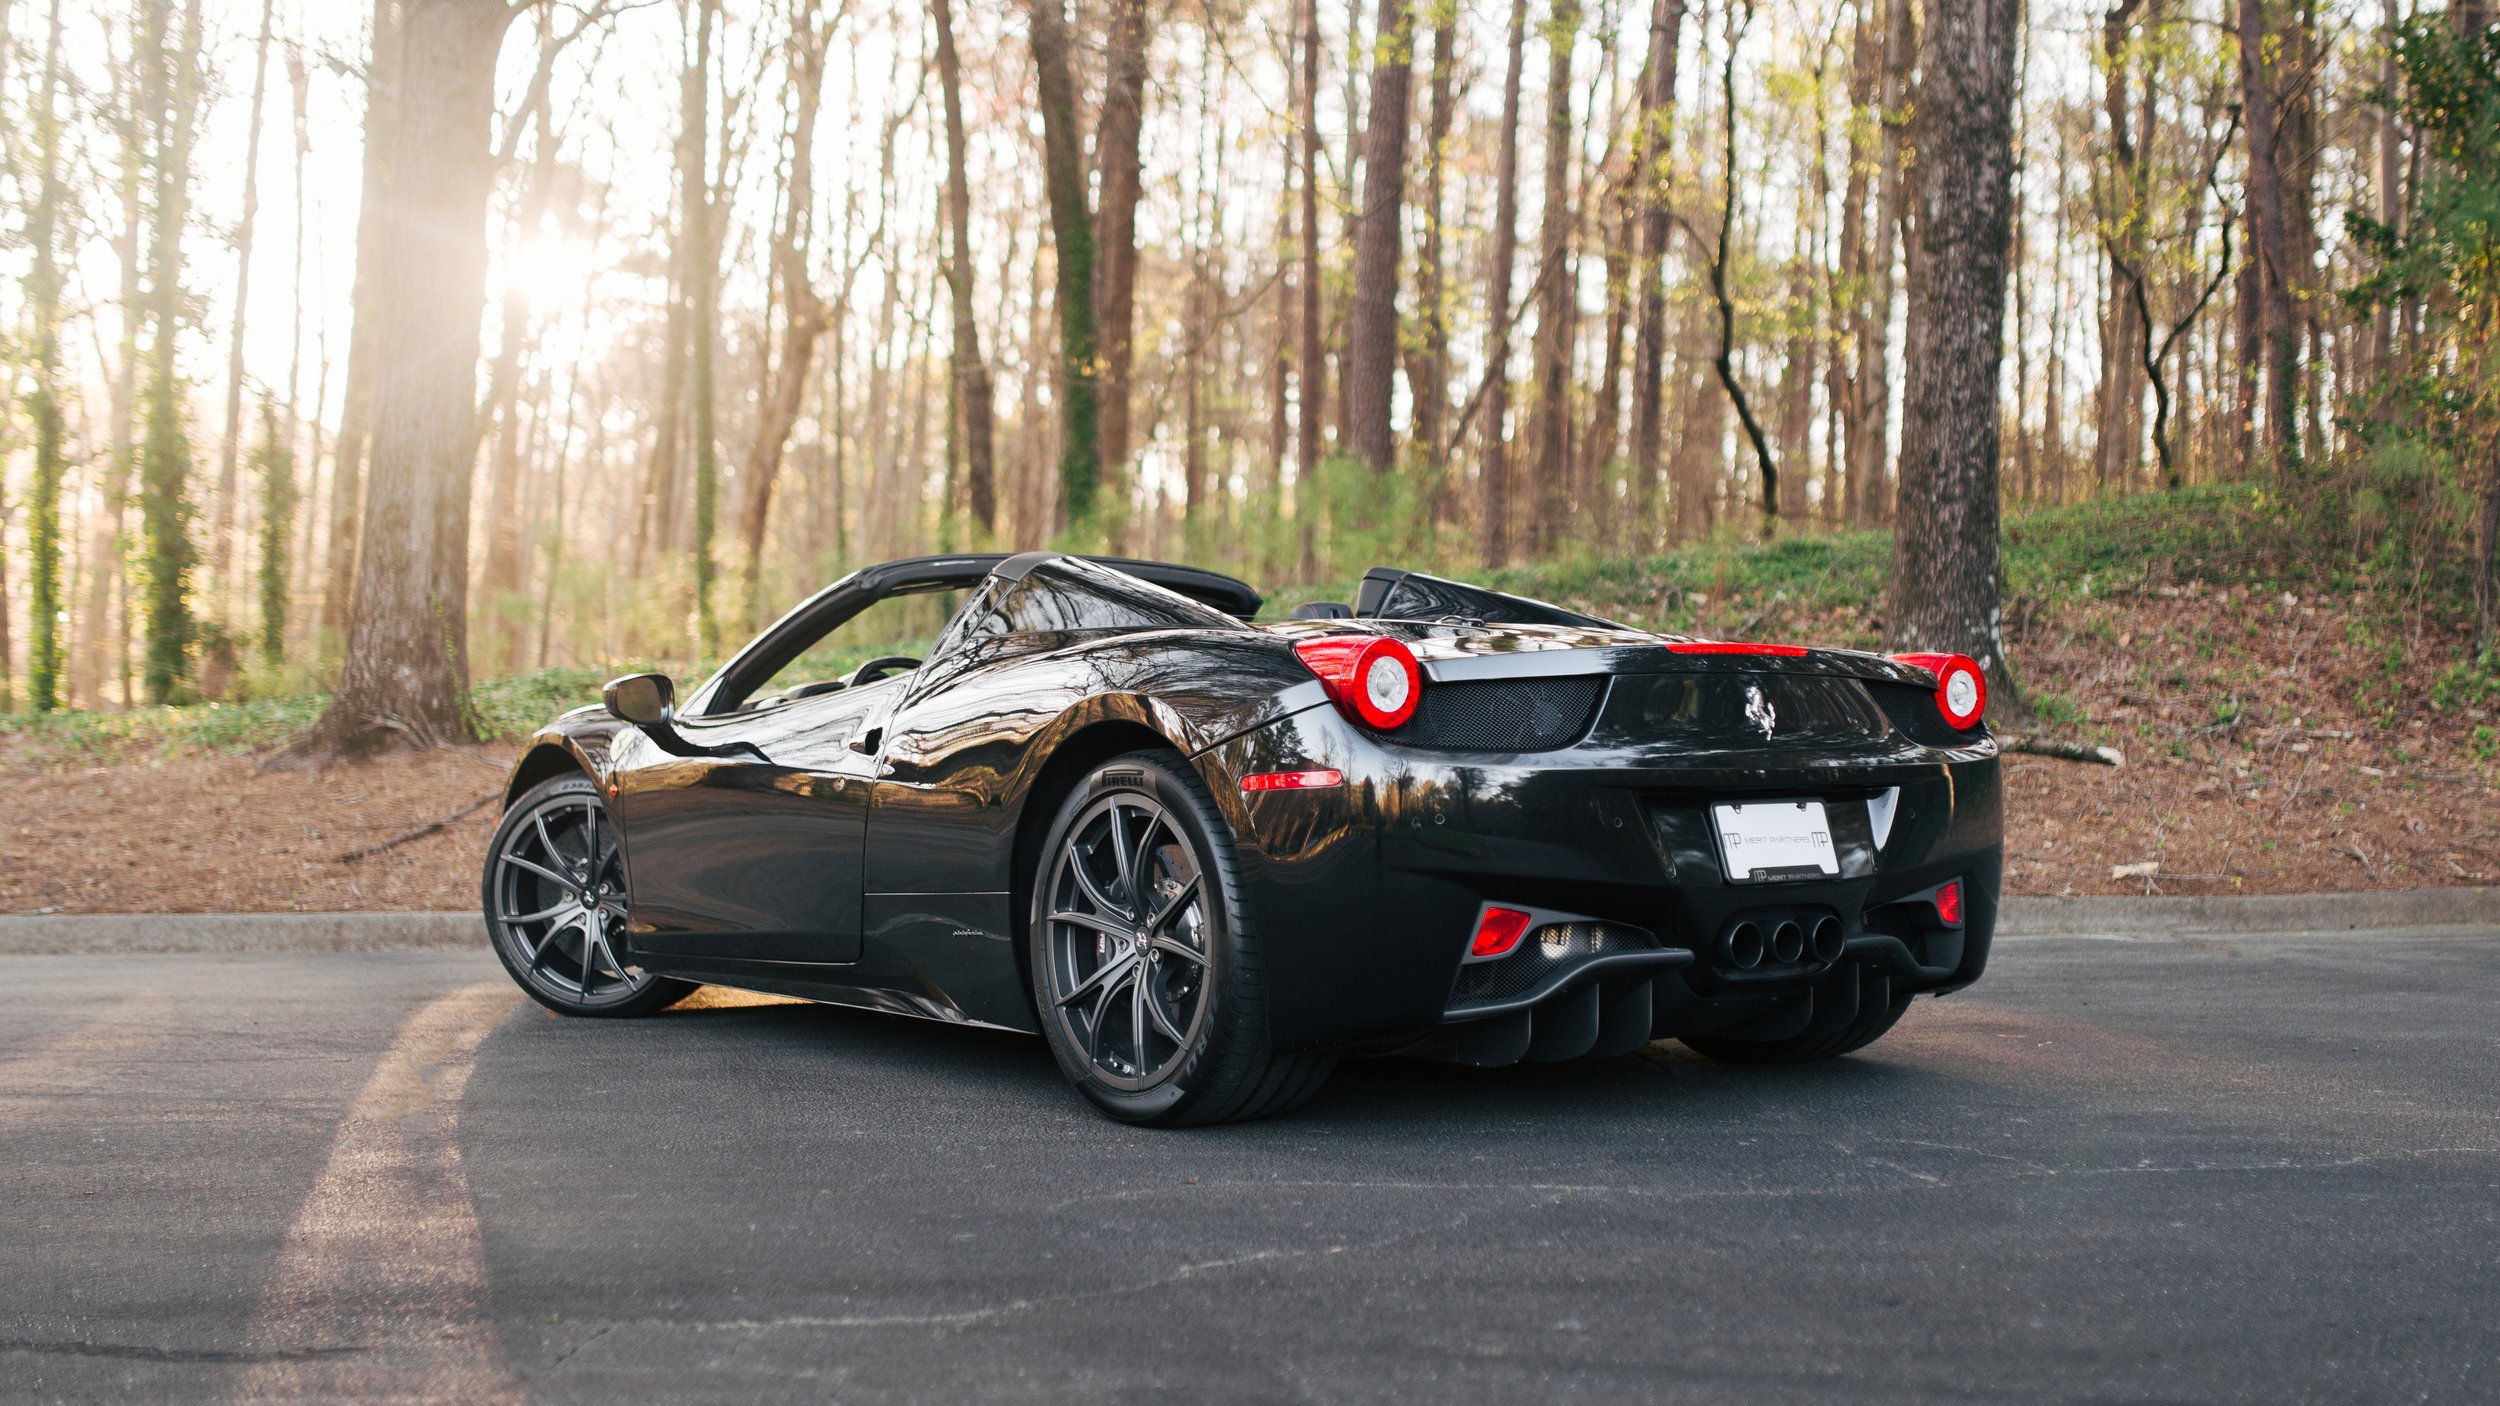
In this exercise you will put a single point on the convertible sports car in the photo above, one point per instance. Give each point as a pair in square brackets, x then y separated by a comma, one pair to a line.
[1206, 855]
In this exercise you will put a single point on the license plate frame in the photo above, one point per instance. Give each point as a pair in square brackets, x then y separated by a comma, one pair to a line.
[1788, 841]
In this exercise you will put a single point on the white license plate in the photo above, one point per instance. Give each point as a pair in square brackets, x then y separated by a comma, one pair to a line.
[1767, 840]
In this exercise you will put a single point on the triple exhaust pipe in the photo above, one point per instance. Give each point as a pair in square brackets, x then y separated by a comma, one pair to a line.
[1747, 943]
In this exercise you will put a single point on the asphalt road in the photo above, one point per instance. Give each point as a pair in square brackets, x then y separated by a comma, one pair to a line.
[2250, 1169]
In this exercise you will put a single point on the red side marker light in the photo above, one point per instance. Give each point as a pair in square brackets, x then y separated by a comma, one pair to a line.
[1497, 932]
[1784, 651]
[1373, 677]
[1949, 902]
[1961, 690]
[1293, 780]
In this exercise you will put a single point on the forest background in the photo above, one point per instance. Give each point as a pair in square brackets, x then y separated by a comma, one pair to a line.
[355, 356]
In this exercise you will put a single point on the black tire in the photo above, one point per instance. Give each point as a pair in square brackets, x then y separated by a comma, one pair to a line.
[1136, 897]
[1829, 1044]
[554, 899]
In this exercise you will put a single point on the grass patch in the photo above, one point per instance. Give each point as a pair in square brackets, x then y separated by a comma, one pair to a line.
[1820, 587]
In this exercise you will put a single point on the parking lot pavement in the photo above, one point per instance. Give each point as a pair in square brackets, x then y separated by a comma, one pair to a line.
[2221, 1169]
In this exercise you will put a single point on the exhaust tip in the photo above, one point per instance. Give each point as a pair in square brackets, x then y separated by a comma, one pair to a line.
[1827, 942]
[1788, 941]
[1742, 947]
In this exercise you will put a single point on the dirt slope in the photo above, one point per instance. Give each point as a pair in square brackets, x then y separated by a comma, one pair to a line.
[2268, 750]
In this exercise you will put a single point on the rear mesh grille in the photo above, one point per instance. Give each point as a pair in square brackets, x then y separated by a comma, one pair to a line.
[1553, 946]
[1504, 715]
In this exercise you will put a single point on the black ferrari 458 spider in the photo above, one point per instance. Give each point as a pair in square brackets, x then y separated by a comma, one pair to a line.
[1206, 855]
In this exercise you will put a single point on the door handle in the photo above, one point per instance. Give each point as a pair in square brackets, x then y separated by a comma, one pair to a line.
[865, 740]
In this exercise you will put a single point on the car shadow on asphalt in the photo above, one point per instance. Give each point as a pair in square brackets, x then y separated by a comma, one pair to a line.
[1663, 1079]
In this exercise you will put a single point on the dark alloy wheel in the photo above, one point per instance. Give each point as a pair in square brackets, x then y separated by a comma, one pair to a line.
[555, 905]
[1144, 966]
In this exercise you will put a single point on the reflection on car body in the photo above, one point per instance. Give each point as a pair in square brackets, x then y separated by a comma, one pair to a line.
[1207, 853]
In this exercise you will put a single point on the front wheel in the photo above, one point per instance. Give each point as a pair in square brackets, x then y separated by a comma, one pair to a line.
[555, 905]
[1145, 968]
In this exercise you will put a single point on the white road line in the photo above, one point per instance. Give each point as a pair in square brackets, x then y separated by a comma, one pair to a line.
[378, 1291]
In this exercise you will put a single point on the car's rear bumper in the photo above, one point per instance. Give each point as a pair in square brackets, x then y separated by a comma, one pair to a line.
[1365, 895]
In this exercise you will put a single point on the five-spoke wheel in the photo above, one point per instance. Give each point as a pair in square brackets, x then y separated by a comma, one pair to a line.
[555, 904]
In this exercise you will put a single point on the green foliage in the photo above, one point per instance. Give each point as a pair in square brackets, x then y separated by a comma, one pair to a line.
[2448, 92]
[519, 704]
[274, 460]
[165, 525]
[2468, 683]
[2433, 417]
[161, 733]
[43, 539]
[2217, 533]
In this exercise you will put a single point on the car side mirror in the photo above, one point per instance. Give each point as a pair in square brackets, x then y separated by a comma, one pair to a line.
[645, 700]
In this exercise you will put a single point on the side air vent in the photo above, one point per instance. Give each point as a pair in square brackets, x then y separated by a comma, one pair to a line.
[1504, 715]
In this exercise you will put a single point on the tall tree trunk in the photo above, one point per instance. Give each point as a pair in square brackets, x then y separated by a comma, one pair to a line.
[383, 87]
[276, 462]
[975, 407]
[657, 521]
[1873, 449]
[1431, 373]
[1594, 494]
[1946, 579]
[1794, 431]
[2123, 216]
[502, 578]
[1072, 232]
[2388, 178]
[1117, 174]
[1766, 468]
[220, 536]
[43, 297]
[1653, 167]
[171, 86]
[1493, 487]
[1557, 289]
[703, 337]
[405, 678]
[2269, 232]
[1848, 299]
[803, 308]
[1288, 300]
[1372, 328]
[1313, 361]
[101, 642]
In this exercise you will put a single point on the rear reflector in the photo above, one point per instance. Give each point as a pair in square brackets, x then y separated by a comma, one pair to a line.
[1497, 932]
[1784, 651]
[1949, 902]
[1293, 780]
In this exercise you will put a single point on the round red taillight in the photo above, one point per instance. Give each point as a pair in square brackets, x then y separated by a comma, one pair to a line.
[1373, 677]
[1961, 689]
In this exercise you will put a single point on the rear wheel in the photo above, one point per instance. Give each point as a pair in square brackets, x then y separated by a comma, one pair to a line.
[1828, 1044]
[1145, 968]
[555, 905]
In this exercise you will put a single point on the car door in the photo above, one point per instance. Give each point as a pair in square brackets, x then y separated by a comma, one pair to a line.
[752, 854]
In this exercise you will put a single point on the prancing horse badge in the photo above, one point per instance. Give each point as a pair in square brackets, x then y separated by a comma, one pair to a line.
[1758, 709]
